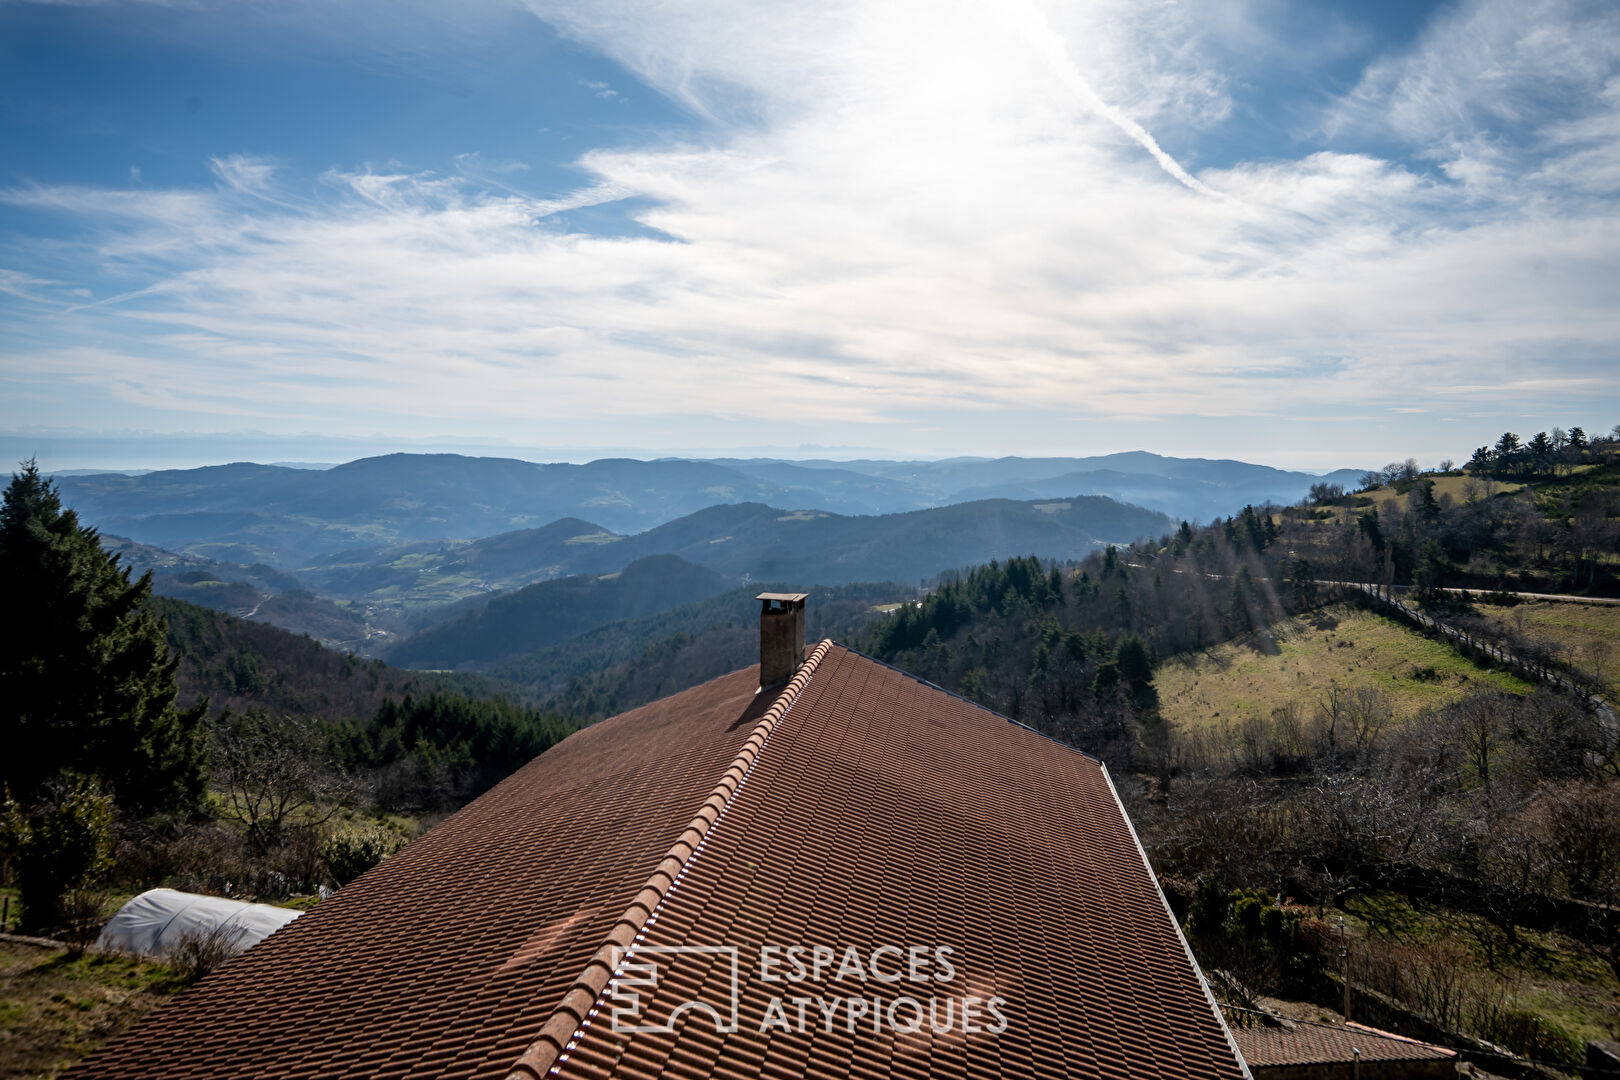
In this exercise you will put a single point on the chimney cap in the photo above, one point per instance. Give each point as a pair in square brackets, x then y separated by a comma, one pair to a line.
[783, 597]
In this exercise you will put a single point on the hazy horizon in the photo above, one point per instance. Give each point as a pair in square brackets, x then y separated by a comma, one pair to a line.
[154, 453]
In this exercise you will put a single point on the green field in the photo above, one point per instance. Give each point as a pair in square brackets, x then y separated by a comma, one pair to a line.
[1584, 636]
[56, 1008]
[1300, 659]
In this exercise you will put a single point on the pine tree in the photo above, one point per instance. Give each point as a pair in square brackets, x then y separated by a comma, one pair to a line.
[89, 686]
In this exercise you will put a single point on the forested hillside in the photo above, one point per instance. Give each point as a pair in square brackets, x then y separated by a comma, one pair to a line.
[750, 541]
[551, 612]
[237, 664]
[1472, 842]
[155, 742]
[626, 664]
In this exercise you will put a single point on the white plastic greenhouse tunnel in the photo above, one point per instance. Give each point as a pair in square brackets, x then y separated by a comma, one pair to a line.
[159, 921]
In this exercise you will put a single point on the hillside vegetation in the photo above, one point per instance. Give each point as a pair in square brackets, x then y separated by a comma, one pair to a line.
[749, 541]
[236, 664]
[625, 664]
[551, 612]
[1310, 660]
[1584, 638]
[1465, 824]
[1525, 520]
[161, 743]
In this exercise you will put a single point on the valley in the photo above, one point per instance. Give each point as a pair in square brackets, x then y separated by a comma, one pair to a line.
[362, 556]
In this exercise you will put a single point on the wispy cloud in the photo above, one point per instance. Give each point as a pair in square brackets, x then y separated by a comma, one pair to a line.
[603, 90]
[1495, 87]
[897, 212]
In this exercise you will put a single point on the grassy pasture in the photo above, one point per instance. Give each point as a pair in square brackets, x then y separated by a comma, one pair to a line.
[1587, 636]
[56, 1008]
[1299, 659]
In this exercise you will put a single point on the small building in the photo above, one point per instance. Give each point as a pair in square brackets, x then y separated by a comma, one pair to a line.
[1304, 1051]
[818, 867]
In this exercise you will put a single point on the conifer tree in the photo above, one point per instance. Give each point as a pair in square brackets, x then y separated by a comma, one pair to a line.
[87, 686]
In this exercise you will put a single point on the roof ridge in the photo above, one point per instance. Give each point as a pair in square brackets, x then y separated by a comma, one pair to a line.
[572, 1012]
[1169, 913]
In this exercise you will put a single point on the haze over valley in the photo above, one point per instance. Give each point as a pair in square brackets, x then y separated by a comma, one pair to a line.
[361, 554]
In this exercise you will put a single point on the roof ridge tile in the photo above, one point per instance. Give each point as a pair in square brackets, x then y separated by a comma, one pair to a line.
[573, 1010]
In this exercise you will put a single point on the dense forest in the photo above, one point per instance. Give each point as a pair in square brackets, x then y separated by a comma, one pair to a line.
[629, 663]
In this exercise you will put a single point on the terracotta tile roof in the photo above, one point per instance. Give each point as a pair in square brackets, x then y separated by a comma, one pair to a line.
[1315, 1044]
[857, 808]
[887, 812]
[448, 958]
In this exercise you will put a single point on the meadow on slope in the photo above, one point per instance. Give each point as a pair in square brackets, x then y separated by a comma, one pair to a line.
[1584, 636]
[1301, 659]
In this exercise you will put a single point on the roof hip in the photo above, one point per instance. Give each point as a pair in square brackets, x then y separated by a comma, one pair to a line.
[571, 1013]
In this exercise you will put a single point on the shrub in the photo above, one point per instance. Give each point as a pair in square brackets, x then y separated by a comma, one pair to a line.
[62, 849]
[352, 852]
[80, 915]
[1536, 1037]
[201, 951]
[1253, 937]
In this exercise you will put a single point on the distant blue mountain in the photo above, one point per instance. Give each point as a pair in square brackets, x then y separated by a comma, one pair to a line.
[295, 518]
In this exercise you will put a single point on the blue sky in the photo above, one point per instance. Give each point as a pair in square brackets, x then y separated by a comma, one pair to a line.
[1310, 234]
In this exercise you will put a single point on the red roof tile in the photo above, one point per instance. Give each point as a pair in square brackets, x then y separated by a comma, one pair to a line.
[856, 807]
[1315, 1044]
[865, 824]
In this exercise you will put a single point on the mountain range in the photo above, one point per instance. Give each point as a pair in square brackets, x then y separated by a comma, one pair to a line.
[365, 554]
[290, 517]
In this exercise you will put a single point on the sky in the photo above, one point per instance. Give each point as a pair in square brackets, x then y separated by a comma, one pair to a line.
[1313, 234]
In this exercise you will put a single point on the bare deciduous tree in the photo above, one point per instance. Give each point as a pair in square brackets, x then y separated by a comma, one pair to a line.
[275, 772]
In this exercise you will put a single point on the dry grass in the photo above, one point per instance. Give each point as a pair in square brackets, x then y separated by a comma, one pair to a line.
[1460, 488]
[1299, 659]
[55, 1008]
[1584, 636]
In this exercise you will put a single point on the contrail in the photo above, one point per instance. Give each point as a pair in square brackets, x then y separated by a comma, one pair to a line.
[1052, 46]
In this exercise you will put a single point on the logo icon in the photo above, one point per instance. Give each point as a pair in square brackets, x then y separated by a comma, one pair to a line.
[636, 970]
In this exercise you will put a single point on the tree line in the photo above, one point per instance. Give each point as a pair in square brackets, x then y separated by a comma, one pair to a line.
[113, 776]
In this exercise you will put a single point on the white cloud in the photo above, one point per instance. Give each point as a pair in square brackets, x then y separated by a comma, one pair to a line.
[1493, 86]
[250, 176]
[897, 212]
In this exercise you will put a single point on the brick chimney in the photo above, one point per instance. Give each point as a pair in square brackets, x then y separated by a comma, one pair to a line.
[781, 637]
